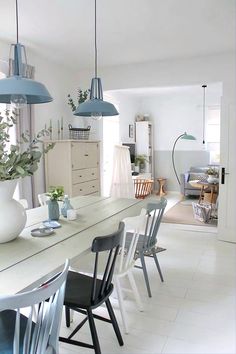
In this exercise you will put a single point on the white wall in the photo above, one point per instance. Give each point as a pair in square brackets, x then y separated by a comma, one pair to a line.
[175, 111]
[128, 107]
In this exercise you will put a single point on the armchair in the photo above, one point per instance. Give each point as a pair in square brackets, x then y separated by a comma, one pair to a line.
[195, 173]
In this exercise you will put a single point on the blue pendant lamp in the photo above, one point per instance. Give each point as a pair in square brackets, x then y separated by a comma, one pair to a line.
[96, 107]
[181, 136]
[18, 90]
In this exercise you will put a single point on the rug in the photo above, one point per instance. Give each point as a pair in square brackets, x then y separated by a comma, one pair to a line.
[182, 213]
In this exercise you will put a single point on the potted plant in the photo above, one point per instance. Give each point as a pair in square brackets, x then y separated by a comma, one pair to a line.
[82, 96]
[16, 161]
[139, 162]
[55, 194]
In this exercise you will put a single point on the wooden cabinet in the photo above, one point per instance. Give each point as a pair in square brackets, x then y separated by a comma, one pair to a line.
[144, 143]
[74, 164]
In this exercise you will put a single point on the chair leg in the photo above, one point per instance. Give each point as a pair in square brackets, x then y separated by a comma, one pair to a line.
[145, 274]
[67, 312]
[93, 332]
[158, 265]
[135, 290]
[121, 303]
[114, 322]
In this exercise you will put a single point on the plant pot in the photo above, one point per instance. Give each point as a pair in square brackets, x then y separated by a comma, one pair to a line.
[136, 168]
[12, 213]
[211, 179]
[53, 210]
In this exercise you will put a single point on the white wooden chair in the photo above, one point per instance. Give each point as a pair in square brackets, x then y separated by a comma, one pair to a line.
[39, 332]
[43, 198]
[124, 265]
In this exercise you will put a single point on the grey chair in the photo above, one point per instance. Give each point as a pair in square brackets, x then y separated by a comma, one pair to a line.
[146, 246]
[37, 333]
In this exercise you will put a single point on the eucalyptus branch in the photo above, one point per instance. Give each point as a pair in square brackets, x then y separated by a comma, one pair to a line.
[20, 159]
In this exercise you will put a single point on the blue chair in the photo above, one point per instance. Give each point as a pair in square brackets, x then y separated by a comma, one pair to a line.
[37, 333]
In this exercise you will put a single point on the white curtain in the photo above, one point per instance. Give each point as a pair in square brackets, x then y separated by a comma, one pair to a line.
[122, 185]
[25, 123]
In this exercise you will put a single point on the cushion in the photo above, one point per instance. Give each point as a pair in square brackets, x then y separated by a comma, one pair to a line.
[198, 169]
[197, 176]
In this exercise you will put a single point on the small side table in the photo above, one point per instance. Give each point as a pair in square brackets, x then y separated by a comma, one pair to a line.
[162, 182]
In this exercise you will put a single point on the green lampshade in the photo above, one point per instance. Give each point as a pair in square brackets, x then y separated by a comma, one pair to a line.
[181, 136]
[188, 137]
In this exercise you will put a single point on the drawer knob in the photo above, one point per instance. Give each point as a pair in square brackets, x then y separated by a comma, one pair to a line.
[85, 154]
[81, 190]
[80, 176]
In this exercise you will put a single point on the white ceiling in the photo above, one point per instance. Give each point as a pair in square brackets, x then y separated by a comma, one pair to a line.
[128, 30]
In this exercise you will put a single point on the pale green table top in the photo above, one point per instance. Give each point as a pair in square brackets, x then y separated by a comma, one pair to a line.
[27, 261]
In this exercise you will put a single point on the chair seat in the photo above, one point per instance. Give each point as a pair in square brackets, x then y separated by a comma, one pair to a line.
[78, 291]
[7, 329]
[140, 243]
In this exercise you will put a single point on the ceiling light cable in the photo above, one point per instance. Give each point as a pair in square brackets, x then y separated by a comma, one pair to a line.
[204, 114]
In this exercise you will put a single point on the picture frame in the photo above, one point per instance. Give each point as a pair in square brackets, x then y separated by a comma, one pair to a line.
[131, 131]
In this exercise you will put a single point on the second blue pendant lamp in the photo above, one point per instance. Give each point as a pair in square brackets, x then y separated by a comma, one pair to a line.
[96, 107]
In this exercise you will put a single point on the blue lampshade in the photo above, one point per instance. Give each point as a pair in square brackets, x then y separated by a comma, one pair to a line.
[19, 87]
[34, 91]
[95, 105]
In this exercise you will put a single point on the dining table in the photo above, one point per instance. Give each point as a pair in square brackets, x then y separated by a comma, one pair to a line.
[28, 261]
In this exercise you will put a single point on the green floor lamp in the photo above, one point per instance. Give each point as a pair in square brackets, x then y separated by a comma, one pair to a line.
[182, 136]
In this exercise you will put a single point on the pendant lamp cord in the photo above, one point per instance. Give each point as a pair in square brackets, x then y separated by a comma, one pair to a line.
[17, 24]
[95, 37]
[204, 113]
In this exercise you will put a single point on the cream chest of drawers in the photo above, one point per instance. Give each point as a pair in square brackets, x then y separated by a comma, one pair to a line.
[74, 164]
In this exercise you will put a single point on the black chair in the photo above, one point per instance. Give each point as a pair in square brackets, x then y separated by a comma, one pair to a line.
[146, 246]
[85, 293]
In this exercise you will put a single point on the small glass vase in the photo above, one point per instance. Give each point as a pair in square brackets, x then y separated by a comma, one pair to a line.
[53, 210]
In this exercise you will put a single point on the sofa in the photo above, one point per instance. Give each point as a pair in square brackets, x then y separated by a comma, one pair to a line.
[194, 173]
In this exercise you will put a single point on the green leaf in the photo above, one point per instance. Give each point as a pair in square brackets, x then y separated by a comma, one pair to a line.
[20, 170]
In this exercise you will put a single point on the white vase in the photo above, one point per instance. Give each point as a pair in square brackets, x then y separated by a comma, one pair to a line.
[211, 179]
[12, 213]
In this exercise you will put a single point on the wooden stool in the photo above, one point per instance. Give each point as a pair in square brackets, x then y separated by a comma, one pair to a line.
[162, 182]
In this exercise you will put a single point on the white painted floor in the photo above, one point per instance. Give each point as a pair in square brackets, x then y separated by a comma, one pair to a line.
[193, 311]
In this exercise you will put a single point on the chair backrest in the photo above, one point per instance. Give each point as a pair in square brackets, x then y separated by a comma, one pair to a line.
[154, 212]
[45, 309]
[43, 198]
[134, 225]
[143, 187]
[111, 245]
